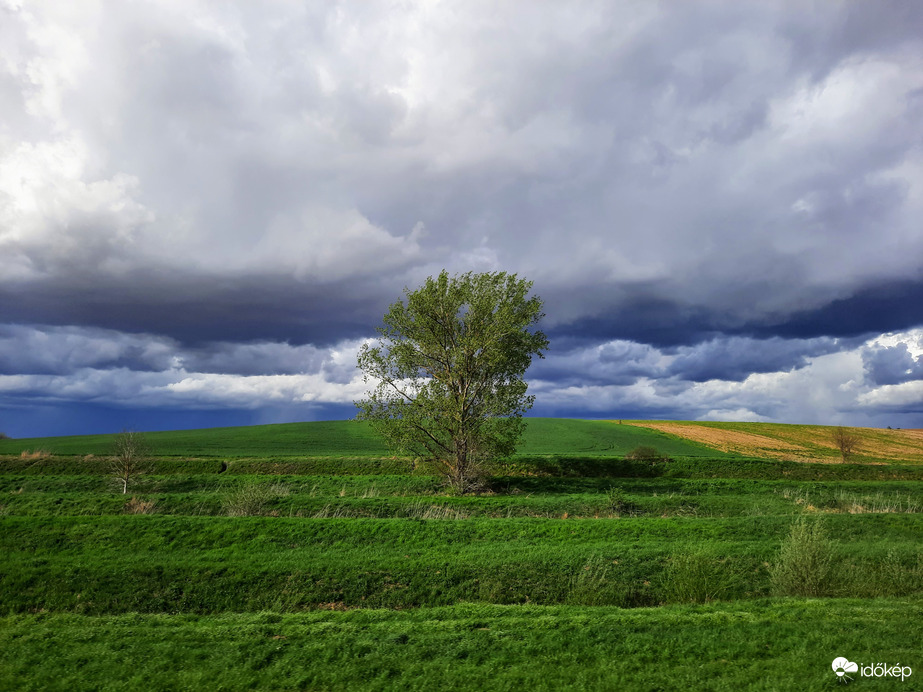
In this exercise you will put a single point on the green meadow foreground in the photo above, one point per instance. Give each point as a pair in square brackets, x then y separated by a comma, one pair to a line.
[305, 557]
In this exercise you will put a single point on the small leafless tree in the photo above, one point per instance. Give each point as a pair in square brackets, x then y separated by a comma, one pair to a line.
[130, 459]
[846, 442]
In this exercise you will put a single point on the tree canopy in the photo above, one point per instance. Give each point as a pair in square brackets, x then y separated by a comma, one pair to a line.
[448, 370]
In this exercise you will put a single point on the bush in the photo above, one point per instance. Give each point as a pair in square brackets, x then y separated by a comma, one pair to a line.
[846, 442]
[4, 436]
[252, 499]
[618, 503]
[646, 453]
[805, 566]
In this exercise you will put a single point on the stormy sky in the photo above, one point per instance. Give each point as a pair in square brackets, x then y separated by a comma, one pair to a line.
[206, 207]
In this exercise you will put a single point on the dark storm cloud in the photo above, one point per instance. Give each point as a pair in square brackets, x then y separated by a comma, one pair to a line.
[863, 29]
[661, 324]
[736, 358]
[665, 159]
[886, 306]
[700, 191]
[611, 363]
[195, 310]
[892, 364]
[65, 350]
[883, 307]
[732, 359]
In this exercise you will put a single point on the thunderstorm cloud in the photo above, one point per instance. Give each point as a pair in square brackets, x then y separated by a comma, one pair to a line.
[205, 208]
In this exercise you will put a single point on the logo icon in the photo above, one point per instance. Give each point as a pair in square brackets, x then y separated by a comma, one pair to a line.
[841, 666]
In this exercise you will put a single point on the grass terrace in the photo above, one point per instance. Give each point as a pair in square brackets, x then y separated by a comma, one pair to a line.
[306, 556]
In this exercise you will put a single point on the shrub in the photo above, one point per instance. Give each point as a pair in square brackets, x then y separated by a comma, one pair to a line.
[4, 436]
[617, 502]
[252, 499]
[846, 442]
[646, 453]
[805, 566]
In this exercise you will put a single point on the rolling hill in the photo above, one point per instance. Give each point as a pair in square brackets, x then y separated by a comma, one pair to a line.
[813, 443]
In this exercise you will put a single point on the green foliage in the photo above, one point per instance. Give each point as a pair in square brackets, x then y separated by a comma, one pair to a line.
[805, 565]
[449, 368]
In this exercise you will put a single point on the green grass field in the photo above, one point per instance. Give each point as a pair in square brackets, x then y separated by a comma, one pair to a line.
[357, 439]
[306, 557]
[753, 645]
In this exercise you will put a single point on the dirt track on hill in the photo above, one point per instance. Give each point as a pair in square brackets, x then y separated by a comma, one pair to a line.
[795, 442]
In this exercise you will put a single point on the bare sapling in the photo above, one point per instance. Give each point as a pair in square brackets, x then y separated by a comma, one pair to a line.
[130, 458]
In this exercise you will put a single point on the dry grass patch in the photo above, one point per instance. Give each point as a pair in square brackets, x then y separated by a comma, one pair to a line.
[811, 443]
[138, 506]
[37, 454]
[734, 441]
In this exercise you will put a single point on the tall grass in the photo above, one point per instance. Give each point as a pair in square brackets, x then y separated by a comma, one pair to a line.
[252, 499]
[137, 505]
[426, 510]
[697, 576]
[851, 502]
[805, 565]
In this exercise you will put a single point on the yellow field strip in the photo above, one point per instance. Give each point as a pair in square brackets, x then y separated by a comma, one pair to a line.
[794, 442]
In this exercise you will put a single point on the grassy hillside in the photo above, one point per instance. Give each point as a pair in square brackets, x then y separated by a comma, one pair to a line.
[324, 438]
[756, 645]
[356, 439]
[305, 557]
[793, 442]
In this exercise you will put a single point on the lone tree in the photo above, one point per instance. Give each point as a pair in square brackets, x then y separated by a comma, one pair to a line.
[130, 457]
[846, 442]
[448, 370]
